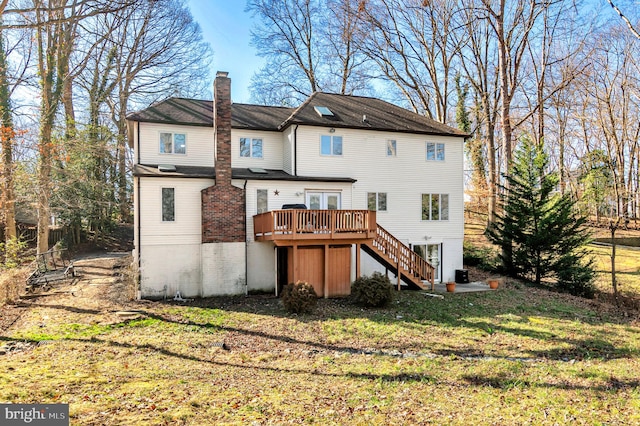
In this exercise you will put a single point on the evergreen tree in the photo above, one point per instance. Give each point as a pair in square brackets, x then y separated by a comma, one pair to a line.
[540, 227]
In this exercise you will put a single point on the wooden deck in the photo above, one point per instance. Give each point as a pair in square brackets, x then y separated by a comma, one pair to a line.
[328, 229]
[315, 226]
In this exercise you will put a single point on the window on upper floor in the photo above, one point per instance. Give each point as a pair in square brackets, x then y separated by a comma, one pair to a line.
[173, 143]
[251, 147]
[262, 200]
[435, 151]
[377, 201]
[391, 148]
[435, 206]
[331, 145]
[168, 205]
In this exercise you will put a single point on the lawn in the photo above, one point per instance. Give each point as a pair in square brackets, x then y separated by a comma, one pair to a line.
[518, 355]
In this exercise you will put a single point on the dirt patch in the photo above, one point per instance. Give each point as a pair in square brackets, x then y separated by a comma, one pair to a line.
[103, 285]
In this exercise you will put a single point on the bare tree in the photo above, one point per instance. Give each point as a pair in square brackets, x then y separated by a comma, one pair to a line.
[7, 134]
[626, 20]
[413, 45]
[54, 38]
[478, 54]
[309, 46]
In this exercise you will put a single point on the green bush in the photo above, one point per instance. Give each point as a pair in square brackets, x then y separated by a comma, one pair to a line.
[11, 252]
[373, 291]
[577, 278]
[484, 258]
[299, 297]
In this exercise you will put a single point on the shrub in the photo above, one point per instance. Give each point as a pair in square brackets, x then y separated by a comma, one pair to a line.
[373, 291]
[577, 278]
[12, 251]
[299, 297]
[483, 257]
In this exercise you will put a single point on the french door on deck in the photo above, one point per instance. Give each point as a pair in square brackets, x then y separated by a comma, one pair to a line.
[317, 200]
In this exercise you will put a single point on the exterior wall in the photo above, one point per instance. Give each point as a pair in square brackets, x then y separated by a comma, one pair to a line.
[223, 269]
[174, 258]
[200, 145]
[167, 269]
[261, 272]
[169, 251]
[287, 151]
[272, 145]
[404, 178]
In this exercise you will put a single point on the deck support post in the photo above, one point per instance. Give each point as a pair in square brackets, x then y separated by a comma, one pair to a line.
[357, 260]
[295, 263]
[326, 271]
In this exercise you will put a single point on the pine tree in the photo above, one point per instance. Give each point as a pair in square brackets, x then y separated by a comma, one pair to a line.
[540, 227]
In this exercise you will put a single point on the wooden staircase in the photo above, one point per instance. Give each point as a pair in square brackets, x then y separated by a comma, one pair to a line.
[404, 262]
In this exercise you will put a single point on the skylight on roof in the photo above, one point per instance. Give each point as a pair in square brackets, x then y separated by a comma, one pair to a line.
[323, 111]
[257, 170]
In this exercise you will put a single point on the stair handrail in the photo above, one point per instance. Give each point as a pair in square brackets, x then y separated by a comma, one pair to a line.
[410, 262]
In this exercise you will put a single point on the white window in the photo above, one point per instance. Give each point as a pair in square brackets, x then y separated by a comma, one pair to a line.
[262, 200]
[331, 145]
[168, 205]
[251, 147]
[435, 151]
[391, 148]
[173, 143]
[377, 201]
[435, 206]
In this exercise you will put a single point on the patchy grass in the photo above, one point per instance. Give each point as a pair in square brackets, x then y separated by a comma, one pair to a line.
[514, 356]
[627, 269]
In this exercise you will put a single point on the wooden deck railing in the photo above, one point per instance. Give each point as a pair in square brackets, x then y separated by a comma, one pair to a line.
[355, 225]
[298, 224]
[408, 262]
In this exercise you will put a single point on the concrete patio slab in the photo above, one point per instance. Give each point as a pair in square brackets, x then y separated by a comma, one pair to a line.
[471, 287]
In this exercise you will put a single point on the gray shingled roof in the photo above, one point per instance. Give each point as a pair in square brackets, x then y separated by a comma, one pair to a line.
[151, 170]
[357, 112]
[192, 112]
[348, 112]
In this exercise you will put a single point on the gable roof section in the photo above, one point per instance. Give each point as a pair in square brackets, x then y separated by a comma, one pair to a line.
[192, 112]
[351, 112]
[357, 112]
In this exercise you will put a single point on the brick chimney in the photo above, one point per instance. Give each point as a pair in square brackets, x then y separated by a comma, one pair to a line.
[223, 205]
[222, 124]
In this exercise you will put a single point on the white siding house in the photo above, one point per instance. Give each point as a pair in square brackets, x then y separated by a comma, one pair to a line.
[366, 155]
